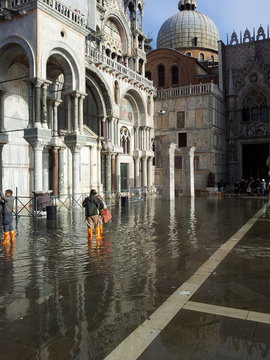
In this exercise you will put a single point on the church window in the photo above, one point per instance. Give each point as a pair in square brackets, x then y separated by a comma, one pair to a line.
[148, 75]
[201, 57]
[195, 41]
[178, 162]
[188, 53]
[182, 140]
[263, 113]
[255, 107]
[175, 75]
[161, 75]
[180, 119]
[125, 140]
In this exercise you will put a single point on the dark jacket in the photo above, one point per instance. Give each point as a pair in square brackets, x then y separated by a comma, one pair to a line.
[92, 205]
[7, 203]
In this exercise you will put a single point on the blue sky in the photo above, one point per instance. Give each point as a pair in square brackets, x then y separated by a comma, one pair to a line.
[228, 15]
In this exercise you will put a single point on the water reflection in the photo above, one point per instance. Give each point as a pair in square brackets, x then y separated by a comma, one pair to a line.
[66, 298]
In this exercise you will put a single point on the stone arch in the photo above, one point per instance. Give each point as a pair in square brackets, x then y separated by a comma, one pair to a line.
[137, 104]
[123, 29]
[68, 60]
[23, 44]
[102, 93]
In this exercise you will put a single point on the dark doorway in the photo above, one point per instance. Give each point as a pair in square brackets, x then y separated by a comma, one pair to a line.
[124, 176]
[254, 158]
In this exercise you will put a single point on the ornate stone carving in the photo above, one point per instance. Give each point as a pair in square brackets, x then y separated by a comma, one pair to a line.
[253, 129]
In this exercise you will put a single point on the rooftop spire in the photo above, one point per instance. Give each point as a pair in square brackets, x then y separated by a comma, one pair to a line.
[187, 5]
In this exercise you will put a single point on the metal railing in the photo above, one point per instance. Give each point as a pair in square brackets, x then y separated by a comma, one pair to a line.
[36, 205]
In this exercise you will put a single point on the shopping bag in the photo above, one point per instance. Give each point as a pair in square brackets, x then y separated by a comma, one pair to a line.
[105, 215]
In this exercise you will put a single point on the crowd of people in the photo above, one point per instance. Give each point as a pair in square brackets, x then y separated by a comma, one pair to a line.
[252, 187]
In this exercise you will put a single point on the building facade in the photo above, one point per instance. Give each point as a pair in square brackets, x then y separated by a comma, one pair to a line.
[76, 108]
[211, 97]
[190, 106]
[246, 77]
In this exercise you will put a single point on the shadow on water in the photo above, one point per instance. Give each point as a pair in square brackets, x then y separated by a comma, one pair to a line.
[63, 297]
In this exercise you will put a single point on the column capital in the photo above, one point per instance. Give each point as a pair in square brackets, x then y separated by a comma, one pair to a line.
[75, 93]
[38, 82]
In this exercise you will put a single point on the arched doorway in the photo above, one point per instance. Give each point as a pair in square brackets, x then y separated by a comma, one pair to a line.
[254, 158]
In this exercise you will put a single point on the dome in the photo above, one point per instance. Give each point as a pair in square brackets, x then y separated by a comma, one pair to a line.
[188, 29]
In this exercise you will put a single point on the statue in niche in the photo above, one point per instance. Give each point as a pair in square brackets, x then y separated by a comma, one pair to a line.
[211, 180]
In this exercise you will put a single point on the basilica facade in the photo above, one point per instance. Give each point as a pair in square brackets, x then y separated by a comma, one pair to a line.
[76, 108]
[212, 99]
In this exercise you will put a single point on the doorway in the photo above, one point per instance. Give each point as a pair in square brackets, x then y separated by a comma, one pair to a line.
[254, 158]
[124, 176]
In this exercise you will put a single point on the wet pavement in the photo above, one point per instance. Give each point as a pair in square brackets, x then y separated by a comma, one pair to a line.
[64, 298]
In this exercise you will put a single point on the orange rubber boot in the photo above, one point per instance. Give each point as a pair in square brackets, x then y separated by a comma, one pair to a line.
[12, 236]
[98, 234]
[101, 229]
[90, 234]
[6, 238]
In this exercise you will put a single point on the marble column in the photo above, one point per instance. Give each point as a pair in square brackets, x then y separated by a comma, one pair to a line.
[149, 172]
[108, 172]
[38, 147]
[113, 173]
[2, 124]
[68, 112]
[117, 167]
[75, 111]
[104, 128]
[61, 171]
[75, 150]
[143, 69]
[44, 113]
[37, 93]
[46, 169]
[144, 171]
[81, 98]
[188, 171]
[55, 171]
[98, 169]
[168, 171]
[55, 128]
[137, 171]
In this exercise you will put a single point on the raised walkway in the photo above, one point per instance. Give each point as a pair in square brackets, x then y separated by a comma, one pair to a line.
[221, 312]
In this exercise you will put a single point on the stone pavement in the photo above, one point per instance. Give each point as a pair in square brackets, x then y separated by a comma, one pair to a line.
[221, 312]
[170, 280]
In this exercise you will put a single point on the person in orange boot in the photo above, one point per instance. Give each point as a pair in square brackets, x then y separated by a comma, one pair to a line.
[7, 201]
[92, 205]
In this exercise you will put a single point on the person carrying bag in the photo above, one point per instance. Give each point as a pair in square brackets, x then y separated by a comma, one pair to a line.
[93, 205]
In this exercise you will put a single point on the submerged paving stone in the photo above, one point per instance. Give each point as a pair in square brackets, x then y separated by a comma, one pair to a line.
[62, 297]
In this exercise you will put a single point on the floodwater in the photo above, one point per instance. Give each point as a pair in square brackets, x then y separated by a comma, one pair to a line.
[64, 298]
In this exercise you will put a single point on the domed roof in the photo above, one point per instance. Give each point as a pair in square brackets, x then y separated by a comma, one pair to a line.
[187, 29]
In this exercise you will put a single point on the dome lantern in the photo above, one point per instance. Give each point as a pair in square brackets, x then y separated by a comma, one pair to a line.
[187, 5]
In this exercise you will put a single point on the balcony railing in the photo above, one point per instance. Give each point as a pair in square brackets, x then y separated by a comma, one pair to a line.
[99, 58]
[188, 91]
[72, 15]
